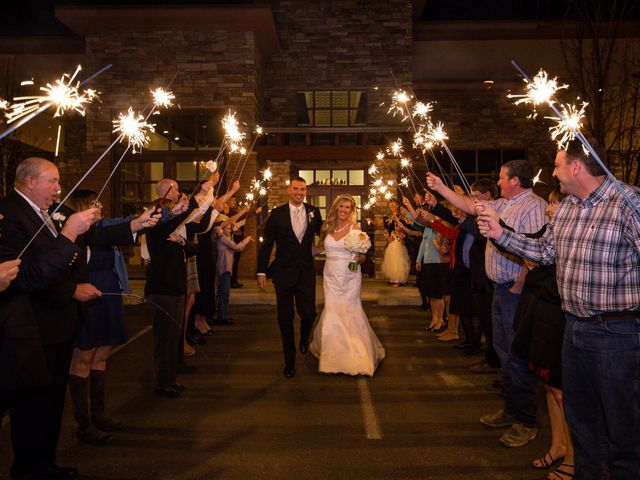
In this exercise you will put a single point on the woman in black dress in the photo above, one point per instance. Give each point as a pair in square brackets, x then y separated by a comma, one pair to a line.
[539, 335]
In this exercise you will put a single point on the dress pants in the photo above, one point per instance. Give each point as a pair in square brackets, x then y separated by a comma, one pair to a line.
[303, 293]
[28, 417]
[167, 336]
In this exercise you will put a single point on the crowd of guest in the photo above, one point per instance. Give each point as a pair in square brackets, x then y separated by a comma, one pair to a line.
[62, 282]
[555, 294]
[542, 293]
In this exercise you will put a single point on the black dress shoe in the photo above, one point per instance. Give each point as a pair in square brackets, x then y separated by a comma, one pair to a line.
[92, 436]
[55, 472]
[304, 347]
[168, 392]
[178, 387]
[289, 372]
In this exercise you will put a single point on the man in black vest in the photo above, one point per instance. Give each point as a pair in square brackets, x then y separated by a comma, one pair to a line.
[292, 227]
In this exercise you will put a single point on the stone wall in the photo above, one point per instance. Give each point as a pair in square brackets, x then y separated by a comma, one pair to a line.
[350, 44]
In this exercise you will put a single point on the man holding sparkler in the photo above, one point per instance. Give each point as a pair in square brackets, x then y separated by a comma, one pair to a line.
[524, 211]
[29, 226]
[594, 239]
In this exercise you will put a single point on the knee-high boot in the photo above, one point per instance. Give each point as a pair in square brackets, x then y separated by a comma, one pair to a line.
[79, 393]
[98, 418]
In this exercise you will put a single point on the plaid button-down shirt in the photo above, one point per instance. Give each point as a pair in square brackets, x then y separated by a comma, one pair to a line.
[525, 213]
[596, 246]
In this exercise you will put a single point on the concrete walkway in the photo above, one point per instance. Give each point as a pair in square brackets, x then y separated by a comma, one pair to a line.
[373, 291]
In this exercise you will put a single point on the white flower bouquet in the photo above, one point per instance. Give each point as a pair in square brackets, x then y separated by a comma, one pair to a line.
[356, 242]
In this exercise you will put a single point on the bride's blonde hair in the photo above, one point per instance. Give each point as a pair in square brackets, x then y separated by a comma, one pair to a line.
[332, 217]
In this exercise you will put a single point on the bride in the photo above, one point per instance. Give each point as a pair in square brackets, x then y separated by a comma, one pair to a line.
[343, 340]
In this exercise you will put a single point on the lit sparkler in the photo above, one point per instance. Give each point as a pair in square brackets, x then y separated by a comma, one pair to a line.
[63, 94]
[267, 174]
[536, 179]
[162, 98]
[373, 170]
[405, 163]
[134, 128]
[437, 134]
[4, 104]
[249, 196]
[396, 148]
[540, 90]
[399, 101]
[569, 123]
[422, 110]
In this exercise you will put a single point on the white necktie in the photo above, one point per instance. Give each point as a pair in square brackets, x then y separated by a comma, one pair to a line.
[45, 216]
[299, 226]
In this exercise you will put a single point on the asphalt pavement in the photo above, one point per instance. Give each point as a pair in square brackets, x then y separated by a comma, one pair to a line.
[240, 419]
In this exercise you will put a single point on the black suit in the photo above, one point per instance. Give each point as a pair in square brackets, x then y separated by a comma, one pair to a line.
[55, 309]
[293, 273]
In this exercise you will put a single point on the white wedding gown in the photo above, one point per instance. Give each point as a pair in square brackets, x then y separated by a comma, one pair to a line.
[343, 340]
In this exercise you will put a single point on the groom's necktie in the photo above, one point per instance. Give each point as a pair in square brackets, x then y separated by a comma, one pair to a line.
[299, 224]
[45, 216]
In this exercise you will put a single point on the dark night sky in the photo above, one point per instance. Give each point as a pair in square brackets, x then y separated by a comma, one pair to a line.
[31, 17]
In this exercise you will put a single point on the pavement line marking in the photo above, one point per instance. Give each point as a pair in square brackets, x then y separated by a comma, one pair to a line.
[5, 420]
[371, 424]
[451, 380]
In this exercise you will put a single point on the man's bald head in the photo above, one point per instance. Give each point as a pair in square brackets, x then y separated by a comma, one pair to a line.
[168, 185]
[30, 167]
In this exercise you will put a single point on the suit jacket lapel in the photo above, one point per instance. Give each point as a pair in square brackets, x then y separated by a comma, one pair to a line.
[30, 213]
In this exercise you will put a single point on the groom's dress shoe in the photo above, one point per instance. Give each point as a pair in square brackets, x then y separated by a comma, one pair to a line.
[304, 347]
[55, 472]
[289, 372]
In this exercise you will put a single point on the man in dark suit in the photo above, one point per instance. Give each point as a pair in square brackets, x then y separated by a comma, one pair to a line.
[291, 227]
[23, 365]
[58, 305]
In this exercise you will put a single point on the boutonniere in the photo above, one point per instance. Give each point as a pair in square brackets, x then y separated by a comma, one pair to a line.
[311, 214]
[58, 217]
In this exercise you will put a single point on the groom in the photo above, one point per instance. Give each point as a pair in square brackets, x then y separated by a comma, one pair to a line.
[291, 227]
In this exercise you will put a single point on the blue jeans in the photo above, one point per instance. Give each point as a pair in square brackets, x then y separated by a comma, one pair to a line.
[519, 382]
[601, 389]
[224, 287]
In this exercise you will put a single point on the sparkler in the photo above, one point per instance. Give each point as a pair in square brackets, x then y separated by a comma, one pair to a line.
[536, 179]
[63, 95]
[162, 98]
[587, 147]
[569, 122]
[134, 128]
[540, 91]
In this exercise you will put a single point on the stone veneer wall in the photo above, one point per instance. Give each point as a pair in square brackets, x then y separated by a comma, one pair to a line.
[350, 44]
[218, 71]
[486, 119]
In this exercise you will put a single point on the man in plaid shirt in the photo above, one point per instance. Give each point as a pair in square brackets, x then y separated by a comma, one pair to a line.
[594, 238]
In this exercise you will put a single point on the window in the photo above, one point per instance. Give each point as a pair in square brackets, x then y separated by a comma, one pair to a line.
[474, 163]
[331, 108]
[333, 177]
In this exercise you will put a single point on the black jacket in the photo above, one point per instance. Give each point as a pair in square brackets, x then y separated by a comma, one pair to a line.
[292, 256]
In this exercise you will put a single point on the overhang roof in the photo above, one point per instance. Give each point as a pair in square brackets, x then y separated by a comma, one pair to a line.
[88, 20]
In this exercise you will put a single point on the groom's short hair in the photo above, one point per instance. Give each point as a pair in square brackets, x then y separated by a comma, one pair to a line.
[297, 179]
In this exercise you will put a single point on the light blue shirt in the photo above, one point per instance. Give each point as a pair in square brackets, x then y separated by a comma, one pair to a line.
[428, 252]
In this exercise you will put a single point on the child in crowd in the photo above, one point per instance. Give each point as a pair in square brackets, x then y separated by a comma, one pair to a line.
[226, 248]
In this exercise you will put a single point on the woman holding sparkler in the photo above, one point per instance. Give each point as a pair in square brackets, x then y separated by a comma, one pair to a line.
[94, 341]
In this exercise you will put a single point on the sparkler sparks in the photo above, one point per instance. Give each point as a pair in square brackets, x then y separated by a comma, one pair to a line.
[437, 134]
[249, 196]
[540, 90]
[63, 94]
[267, 174]
[232, 129]
[162, 98]
[373, 170]
[536, 179]
[4, 105]
[399, 101]
[134, 128]
[569, 123]
[396, 148]
[422, 110]
[405, 163]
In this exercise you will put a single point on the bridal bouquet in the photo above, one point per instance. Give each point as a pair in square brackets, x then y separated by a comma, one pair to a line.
[356, 242]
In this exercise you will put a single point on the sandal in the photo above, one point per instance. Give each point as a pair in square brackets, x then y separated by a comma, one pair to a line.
[547, 461]
[560, 474]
